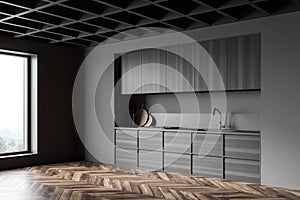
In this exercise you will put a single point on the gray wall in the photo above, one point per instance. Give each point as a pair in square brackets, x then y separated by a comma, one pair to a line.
[57, 137]
[280, 97]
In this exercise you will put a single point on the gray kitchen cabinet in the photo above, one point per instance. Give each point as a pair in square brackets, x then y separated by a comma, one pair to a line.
[126, 158]
[202, 66]
[211, 61]
[251, 61]
[243, 62]
[207, 144]
[234, 66]
[179, 142]
[217, 49]
[131, 71]
[242, 146]
[242, 170]
[231, 155]
[150, 140]
[151, 160]
[238, 60]
[180, 70]
[153, 71]
[208, 166]
[126, 138]
[175, 162]
[228, 63]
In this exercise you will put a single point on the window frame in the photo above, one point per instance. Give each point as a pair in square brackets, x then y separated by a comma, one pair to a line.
[27, 100]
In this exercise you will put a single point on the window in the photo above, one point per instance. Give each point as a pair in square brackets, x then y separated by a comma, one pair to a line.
[16, 102]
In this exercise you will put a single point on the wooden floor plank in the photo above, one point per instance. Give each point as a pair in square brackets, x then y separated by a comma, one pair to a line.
[86, 180]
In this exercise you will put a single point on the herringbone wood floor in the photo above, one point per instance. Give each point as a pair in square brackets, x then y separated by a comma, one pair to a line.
[85, 180]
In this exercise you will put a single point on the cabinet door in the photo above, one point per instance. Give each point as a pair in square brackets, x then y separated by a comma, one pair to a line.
[180, 71]
[237, 59]
[150, 160]
[126, 157]
[153, 71]
[179, 142]
[202, 64]
[243, 62]
[234, 70]
[150, 140]
[177, 163]
[208, 166]
[217, 50]
[242, 146]
[131, 66]
[211, 61]
[126, 138]
[205, 144]
[251, 61]
[242, 170]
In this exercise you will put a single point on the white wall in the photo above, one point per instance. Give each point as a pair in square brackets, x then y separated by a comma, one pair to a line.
[280, 41]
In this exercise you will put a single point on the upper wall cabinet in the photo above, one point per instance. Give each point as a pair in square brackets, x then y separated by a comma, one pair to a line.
[153, 71]
[229, 63]
[131, 79]
[210, 65]
[180, 71]
[237, 60]
[243, 68]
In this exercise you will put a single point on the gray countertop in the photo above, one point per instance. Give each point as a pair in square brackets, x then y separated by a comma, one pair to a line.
[194, 130]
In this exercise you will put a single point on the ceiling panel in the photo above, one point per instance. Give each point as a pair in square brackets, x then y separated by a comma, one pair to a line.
[84, 23]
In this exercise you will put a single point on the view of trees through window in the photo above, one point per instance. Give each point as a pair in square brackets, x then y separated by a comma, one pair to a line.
[12, 103]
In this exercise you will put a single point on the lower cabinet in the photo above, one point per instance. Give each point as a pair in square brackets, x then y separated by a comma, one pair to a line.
[126, 139]
[230, 156]
[242, 158]
[150, 140]
[175, 162]
[126, 158]
[208, 166]
[152, 160]
[242, 146]
[178, 142]
[242, 170]
[205, 144]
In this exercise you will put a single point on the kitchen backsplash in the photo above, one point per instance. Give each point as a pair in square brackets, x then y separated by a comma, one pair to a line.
[235, 121]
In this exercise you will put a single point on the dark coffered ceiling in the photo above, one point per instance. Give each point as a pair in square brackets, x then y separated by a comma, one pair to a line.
[90, 22]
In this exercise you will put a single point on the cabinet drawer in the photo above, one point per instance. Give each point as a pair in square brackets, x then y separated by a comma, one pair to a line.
[177, 163]
[179, 142]
[205, 144]
[242, 146]
[242, 170]
[207, 166]
[126, 138]
[151, 140]
[126, 157]
[150, 160]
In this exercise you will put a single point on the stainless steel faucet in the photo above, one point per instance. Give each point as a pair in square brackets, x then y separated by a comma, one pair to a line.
[220, 119]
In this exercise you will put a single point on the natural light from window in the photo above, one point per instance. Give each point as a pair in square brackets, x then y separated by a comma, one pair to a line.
[12, 103]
